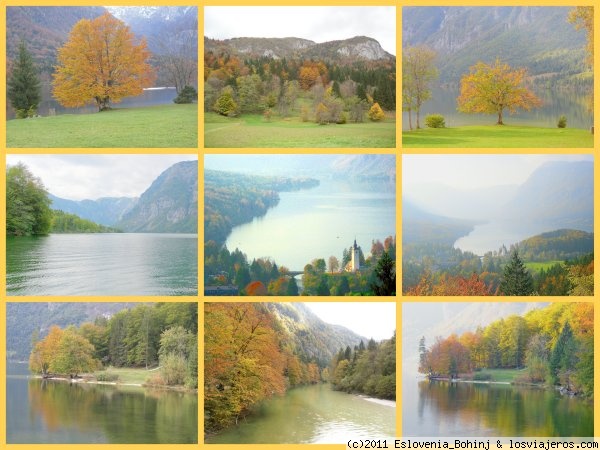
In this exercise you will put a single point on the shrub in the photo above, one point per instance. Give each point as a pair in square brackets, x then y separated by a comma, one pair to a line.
[107, 376]
[562, 122]
[482, 377]
[376, 114]
[343, 118]
[267, 114]
[225, 104]
[435, 121]
[173, 369]
[321, 114]
[187, 95]
[304, 113]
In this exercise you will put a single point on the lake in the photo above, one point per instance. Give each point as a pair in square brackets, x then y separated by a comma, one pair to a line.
[444, 409]
[319, 222]
[102, 264]
[44, 411]
[491, 236]
[313, 414]
[572, 104]
[150, 97]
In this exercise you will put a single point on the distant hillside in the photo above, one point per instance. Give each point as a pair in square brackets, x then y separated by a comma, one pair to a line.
[347, 50]
[556, 245]
[41, 316]
[558, 194]
[420, 226]
[539, 38]
[169, 205]
[313, 338]
[44, 29]
[104, 211]
[366, 167]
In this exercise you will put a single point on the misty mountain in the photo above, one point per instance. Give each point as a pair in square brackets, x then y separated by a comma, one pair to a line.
[41, 316]
[169, 205]
[442, 319]
[358, 48]
[364, 166]
[475, 204]
[104, 211]
[556, 195]
[559, 194]
[420, 226]
[539, 38]
[313, 338]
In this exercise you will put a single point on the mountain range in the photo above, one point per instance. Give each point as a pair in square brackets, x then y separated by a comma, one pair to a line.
[539, 38]
[556, 195]
[46, 28]
[357, 48]
[169, 205]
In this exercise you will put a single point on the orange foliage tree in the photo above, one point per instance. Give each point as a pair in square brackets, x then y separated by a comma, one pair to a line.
[490, 89]
[101, 63]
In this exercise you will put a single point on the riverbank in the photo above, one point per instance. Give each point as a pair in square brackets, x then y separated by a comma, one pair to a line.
[173, 126]
[498, 136]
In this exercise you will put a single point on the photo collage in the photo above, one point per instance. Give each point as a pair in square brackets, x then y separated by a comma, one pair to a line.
[113, 315]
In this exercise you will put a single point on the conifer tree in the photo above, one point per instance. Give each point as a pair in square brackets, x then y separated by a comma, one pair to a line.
[516, 279]
[24, 86]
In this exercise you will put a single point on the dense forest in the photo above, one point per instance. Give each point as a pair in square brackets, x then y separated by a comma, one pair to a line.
[28, 209]
[263, 276]
[232, 199]
[163, 334]
[256, 350]
[560, 262]
[553, 346]
[315, 88]
[369, 369]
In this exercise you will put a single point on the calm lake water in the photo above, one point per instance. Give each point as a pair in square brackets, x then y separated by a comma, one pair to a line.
[102, 264]
[150, 97]
[319, 222]
[556, 103]
[42, 411]
[491, 236]
[313, 414]
[464, 409]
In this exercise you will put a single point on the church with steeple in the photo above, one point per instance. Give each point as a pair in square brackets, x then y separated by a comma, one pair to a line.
[355, 258]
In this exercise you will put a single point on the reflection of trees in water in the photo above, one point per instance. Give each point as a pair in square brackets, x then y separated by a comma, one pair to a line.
[124, 416]
[507, 410]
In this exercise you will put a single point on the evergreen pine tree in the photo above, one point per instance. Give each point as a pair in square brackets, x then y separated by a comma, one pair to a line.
[385, 283]
[24, 86]
[516, 279]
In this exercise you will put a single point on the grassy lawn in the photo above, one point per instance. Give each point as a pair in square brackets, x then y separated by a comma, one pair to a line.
[130, 375]
[254, 131]
[174, 126]
[494, 136]
[538, 266]
[502, 375]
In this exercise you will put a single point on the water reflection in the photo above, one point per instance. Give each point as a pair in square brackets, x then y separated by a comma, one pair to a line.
[77, 413]
[467, 409]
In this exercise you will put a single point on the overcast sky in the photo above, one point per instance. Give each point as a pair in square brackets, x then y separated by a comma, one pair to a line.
[317, 23]
[473, 171]
[375, 320]
[79, 177]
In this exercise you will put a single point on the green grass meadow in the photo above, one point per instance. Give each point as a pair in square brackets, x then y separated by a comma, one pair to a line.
[174, 126]
[498, 136]
[254, 131]
[502, 375]
[538, 266]
[129, 375]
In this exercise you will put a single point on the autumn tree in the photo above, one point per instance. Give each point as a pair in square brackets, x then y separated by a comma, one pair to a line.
[101, 63]
[44, 350]
[582, 17]
[23, 84]
[376, 114]
[418, 71]
[74, 354]
[491, 89]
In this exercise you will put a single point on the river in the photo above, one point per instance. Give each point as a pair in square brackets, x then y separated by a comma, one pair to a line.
[556, 103]
[313, 414]
[102, 264]
[444, 409]
[319, 222]
[43, 411]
